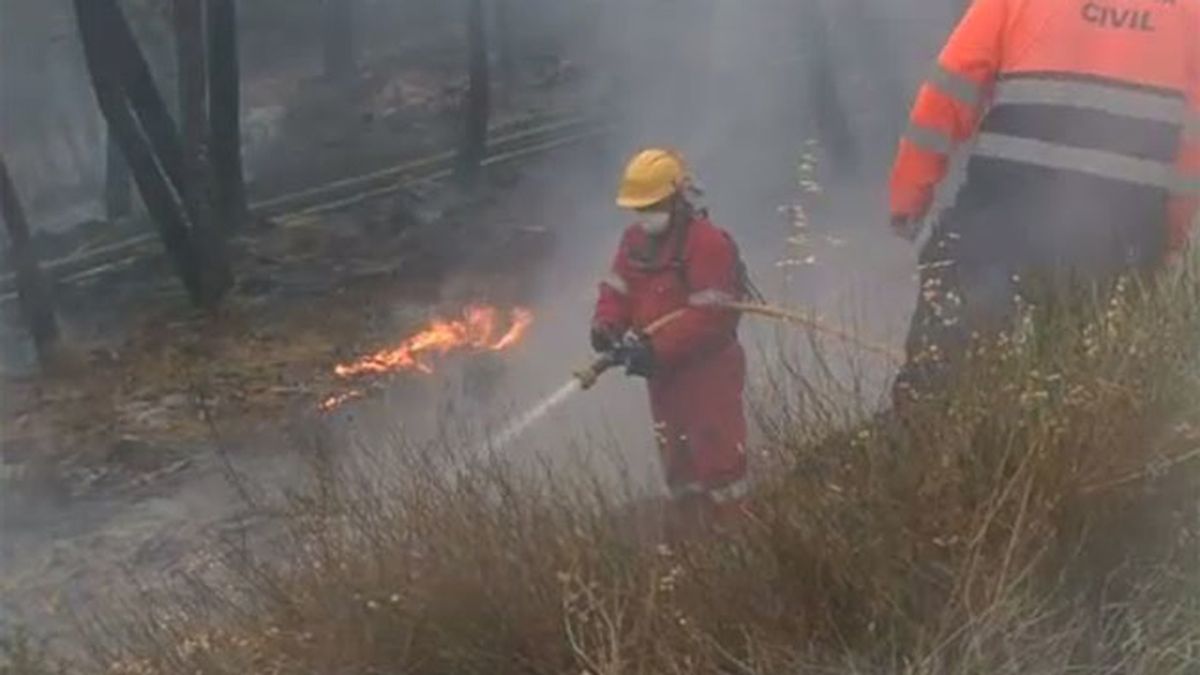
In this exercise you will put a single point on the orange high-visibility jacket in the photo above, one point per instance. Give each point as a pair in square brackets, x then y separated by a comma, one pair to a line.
[1110, 88]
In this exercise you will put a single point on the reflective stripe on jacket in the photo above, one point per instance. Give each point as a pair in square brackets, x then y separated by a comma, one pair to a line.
[652, 277]
[1106, 89]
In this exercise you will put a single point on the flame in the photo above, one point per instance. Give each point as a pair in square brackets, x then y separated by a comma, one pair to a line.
[522, 319]
[478, 330]
[335, 400]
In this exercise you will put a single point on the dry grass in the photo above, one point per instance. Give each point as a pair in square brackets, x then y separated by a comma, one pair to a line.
[145, 386]
[1040, 518]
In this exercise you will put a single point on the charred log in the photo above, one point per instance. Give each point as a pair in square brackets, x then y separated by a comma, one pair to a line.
[198, 193]
[224, 111]
[118, 186]
[828, 109]
[477, 103]
[33, 294]
[107, 54]
[340, 44]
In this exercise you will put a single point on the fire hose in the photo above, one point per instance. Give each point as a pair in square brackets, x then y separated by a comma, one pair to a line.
[590, 374]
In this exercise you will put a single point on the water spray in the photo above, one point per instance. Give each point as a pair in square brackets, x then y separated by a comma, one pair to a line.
[581, 380]
[585, 378]
[518, 426]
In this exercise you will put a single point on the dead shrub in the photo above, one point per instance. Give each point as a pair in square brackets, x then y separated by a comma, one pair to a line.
[1038, 517]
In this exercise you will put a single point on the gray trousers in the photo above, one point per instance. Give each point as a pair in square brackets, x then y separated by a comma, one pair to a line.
[981, 263]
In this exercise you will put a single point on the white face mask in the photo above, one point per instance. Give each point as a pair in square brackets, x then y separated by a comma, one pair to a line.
[655, 222]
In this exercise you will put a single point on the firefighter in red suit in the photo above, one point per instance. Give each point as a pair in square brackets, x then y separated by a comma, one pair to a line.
[673, 258]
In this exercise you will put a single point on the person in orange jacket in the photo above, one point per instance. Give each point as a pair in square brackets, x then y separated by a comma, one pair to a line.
[1084, 117]
[673, 258]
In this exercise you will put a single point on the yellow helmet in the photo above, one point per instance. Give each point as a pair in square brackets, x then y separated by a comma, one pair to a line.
[651, 176]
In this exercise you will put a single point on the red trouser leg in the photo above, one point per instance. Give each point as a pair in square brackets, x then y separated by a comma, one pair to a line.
[701, 427]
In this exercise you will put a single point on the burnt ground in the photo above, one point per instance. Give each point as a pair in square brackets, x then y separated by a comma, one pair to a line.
[311, 292]
[110, 464]
[115, 465]
[301, 130]
[306, 130]
[308, 286]
[116, 468]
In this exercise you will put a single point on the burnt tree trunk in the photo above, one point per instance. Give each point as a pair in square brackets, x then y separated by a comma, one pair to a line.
[106, 49]
[829, 112]
[477, 103]
[882, 59]
[32, 292]
[198, 194]
[224, 111]
[133, 76]
[340, 44]
[506, 43]
[118, 189]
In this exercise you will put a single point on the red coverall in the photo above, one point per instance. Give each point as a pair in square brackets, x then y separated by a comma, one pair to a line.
[700, 368]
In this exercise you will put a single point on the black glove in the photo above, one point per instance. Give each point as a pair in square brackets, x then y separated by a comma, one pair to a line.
[637, 355]
[603, 339]
[906, 227]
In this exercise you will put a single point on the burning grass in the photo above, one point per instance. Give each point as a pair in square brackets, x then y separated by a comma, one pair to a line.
[479, 329]
[1040, 518]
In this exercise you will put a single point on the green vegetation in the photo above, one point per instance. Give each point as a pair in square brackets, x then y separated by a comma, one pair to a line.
[1041, 518]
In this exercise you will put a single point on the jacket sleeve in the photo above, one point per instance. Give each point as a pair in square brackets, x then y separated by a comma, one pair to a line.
[1185, 203]
[947, 107]
[712, 279]
[612, 308]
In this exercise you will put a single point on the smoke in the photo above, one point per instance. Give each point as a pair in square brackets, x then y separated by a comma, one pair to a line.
[730, 83]
[49, 125]
[727, 81]
[737, 86]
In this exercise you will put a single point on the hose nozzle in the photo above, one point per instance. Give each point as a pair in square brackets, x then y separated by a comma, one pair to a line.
[590, 374]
